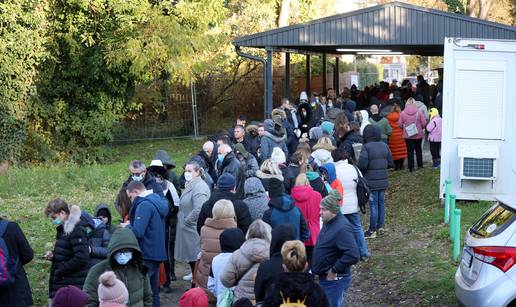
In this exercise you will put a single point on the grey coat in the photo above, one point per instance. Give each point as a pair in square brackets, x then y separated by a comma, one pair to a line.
[272, 138]
[255, 198]
[187, 245]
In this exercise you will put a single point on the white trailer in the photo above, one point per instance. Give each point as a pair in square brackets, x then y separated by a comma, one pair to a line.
[479, 118]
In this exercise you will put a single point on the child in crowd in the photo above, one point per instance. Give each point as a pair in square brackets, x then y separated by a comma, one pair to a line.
[434, 128]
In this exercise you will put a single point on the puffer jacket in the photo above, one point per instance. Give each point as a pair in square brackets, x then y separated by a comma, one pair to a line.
[347, 175]
[308, 201]
[241, 268]
[272, 138]
[284, 211]
[98, 239]
[133, 274]
[397, 144]
[296, 286]
[412, 115]
[71, 254]
[231, 165]
[374, 160]
[255, 198]
[210, 246]
[434, 128]
[383, 124]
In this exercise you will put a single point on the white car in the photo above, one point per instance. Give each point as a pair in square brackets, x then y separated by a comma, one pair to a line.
[487, 272]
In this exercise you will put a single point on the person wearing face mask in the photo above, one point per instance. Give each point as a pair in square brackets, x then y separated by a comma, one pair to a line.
[98, 238]
[159, 172]
[71, 253]
[228, 163]
[125, 259]
[138, 172]
[147, 221]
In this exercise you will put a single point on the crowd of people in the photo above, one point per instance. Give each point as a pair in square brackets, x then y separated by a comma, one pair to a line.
[264, 214]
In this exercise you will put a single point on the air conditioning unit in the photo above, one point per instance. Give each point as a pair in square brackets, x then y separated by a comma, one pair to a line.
[478, 161]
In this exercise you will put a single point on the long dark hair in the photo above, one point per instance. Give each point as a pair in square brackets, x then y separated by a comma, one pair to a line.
[341, 125]
[123, 203]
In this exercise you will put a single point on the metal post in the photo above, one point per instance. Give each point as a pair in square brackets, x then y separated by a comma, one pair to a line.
[286, 90]
[456, 239]
[268, 83]
[194, 110]
[324, 73]
[308, 75]
[452, 216]
[337, 76]
[447, 191]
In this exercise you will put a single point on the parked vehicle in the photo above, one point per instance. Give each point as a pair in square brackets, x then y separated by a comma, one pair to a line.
[487, 273]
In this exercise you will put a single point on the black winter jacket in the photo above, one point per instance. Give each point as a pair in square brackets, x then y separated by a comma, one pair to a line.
[71, 254]
[19, 294]
[296, 286]
[99, 241]
[346, 142]
[269, 270]
[241, 210]
[336, 247]
[375, 158]
[232, 166]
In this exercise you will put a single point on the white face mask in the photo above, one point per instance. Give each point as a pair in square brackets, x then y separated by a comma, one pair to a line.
[123, 258]
[330, 105]
[188, 176]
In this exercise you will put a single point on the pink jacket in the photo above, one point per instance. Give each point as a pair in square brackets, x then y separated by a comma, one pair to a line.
[410, 115]
[434, 129]
[308, 201]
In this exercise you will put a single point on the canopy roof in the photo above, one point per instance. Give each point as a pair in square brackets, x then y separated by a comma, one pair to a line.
[395, 26]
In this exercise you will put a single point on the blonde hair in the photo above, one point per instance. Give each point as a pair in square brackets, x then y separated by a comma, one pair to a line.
[293, 254]
[270, 167]
[324, 143]
[301, 179]
[259, 229]
[223, 209]
[410, 101]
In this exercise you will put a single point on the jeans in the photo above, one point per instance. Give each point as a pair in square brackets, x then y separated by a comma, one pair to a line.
[414, 145]
[354, 219]
[377, 205]
[336, 290]
[154, 280]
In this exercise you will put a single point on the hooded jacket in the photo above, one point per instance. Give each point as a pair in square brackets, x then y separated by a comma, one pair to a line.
[272, 137]
[365, 121]
[412, 115]
[374, 160]
[434, 128]
[283, 211]
[98, 238]
[383, 124]
[305, 118]
[322, 156]
[269, 270]
[317, 183]
[335, 184]
[231, 165]
[346, 142]
[147, 216]
[150, 184]
[71, 254]
[295, 286]
[255, 198]
[243, 217]
[347, 175]
[308, 201]
[396, 142]
[133, 274]
[241, 267]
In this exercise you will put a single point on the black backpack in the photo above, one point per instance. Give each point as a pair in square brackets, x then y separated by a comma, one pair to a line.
[363, 191]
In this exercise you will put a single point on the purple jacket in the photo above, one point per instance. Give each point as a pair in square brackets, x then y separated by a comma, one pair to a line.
[434, 129]
[410, 115]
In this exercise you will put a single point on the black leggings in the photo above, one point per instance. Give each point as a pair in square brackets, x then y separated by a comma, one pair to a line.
[435, 150]
[414, 145]
[398, 164]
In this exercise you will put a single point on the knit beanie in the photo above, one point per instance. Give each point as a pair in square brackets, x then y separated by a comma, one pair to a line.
[239, 147]
[278, 156]
[275, 187]
[70, 296]
[327, 127]
[332, 202]
[111, 290]
[226, 182]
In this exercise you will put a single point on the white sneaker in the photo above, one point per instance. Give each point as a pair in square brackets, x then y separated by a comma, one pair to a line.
[187, 277]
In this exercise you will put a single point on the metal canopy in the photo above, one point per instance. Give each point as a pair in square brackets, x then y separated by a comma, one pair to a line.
[395, 26]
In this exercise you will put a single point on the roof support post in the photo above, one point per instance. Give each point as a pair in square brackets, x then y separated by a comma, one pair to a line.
[308, 75]
[336, 76]
[268, 83]
[286, 89]
[324, 73]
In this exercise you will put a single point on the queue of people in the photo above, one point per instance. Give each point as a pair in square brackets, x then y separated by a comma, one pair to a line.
[264, 214]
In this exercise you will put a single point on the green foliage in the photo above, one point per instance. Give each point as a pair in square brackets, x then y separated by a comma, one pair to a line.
[456, 6]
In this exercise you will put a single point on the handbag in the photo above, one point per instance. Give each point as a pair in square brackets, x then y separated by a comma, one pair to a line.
[363, 191]
[411, 130]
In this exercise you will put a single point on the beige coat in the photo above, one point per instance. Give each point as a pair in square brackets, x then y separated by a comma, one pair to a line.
[210, 246]
[240, 271]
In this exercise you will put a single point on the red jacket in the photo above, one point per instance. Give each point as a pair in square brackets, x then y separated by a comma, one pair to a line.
[308, 201]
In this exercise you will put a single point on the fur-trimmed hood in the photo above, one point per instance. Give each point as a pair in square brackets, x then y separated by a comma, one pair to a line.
[252, 129]
[73, 219]
[263, 175]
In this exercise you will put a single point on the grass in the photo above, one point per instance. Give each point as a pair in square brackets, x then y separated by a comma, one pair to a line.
[24, 193]
[413, 259]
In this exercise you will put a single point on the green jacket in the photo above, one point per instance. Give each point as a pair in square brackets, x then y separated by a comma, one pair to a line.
[133, 275]
[384, 126]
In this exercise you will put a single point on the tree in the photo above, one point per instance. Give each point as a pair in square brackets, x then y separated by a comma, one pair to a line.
[478, 8]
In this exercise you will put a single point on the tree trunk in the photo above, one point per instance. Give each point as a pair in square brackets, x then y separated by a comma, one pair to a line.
[470, 9]
[484, 8]
[284, 12]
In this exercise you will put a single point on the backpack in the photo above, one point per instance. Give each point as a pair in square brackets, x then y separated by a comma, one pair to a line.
[363, 191]
[7, 263]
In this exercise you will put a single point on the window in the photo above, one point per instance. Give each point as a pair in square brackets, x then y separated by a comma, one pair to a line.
[493, 222]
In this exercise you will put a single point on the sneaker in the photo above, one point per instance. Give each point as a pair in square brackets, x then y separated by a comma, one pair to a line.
[370, 234]
[381, 231]
[365, 258]
[187, 277]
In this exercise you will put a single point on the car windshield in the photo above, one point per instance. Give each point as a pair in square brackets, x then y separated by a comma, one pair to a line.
[494, 221]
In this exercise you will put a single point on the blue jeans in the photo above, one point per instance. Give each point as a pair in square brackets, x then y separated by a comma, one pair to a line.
[377, 205]
[354, 219]
[336, 290]
[154, 280]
